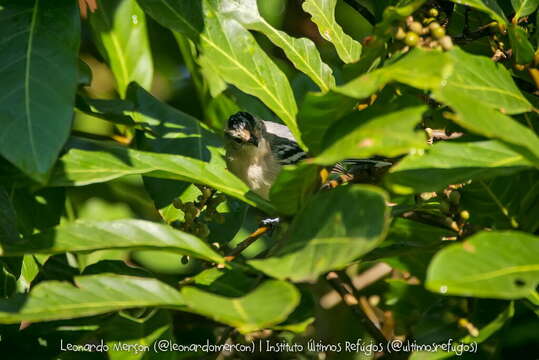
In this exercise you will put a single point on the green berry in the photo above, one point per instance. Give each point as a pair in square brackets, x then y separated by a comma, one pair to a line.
[438, 32]
[433, 12]
[464, 215]
[411, 39]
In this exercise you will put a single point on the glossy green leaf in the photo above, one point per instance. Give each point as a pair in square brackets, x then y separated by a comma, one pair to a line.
[389, 131]
[323, 15]
[231, 51]
[522, 48]
[420, 68]
[524, 7]
[335, 228]
[121, 234]
[452, 163]
[101, 163]
[484, 120]
[267, 305]
[91, 295]
[39, 70]
[502, 265]
[482, 81]
[490, 7]
[119, 27]
[318, 111]
[301, 52]
[293, 187]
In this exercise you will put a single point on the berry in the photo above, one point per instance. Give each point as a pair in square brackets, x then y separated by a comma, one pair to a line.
[433, 12]
[446, 42]
[416, 27]
[438, 32]
[411, 39]
[464, 215]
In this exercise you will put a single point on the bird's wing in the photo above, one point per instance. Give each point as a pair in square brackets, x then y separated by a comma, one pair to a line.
[279, 130]
[287, 151]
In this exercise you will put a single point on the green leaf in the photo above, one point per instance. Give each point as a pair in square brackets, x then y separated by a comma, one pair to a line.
[409, 237]
[386, 130]
[323, 15]
[504, 201]
[293, 187]
[317, 112]
[483, 81]
[502, 265]
[301, 52]
[484, 333]
[524, 7]
[91, 295]
[267, 305]
[106, 162]
[522, 48]
[490, 7]
[448, 163]
[119, 27]
[422, 69]
[231, 51]
[39, 71]
[335, 228]
[126, 330]
[121, 234]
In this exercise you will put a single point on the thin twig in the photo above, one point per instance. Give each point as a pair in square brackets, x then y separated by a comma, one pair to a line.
[247, 242]
[353, 303]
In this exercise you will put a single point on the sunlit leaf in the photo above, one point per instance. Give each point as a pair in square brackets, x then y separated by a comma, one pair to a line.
[91, 295]
[502, 265]
[119, 27]
[301, 52]
[267, 305]
[333, 229]
[120, 234]
[452, 163]
[323, 15]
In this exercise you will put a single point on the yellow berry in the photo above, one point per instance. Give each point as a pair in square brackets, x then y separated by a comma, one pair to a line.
[411, 39]
[416, 27]
[433, 12]
[438, 32]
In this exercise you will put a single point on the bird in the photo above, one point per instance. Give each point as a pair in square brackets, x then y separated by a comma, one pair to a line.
[256, 150]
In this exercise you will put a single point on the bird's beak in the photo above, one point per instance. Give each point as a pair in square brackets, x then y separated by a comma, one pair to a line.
[244, 135]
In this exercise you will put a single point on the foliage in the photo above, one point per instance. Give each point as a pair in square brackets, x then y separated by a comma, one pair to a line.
[119, 221]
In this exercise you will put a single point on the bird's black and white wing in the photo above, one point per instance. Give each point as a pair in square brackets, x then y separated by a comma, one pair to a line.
[283, 145]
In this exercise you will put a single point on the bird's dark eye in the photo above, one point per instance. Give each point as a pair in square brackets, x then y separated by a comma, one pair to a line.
[237, 140]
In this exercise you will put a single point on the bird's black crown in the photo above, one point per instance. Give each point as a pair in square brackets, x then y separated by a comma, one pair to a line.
[241, 120]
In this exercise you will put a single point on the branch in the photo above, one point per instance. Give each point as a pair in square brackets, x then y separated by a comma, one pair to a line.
[353, 303]
[247, 242]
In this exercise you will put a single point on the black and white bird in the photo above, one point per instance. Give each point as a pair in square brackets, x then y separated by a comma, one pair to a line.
[257, 149]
